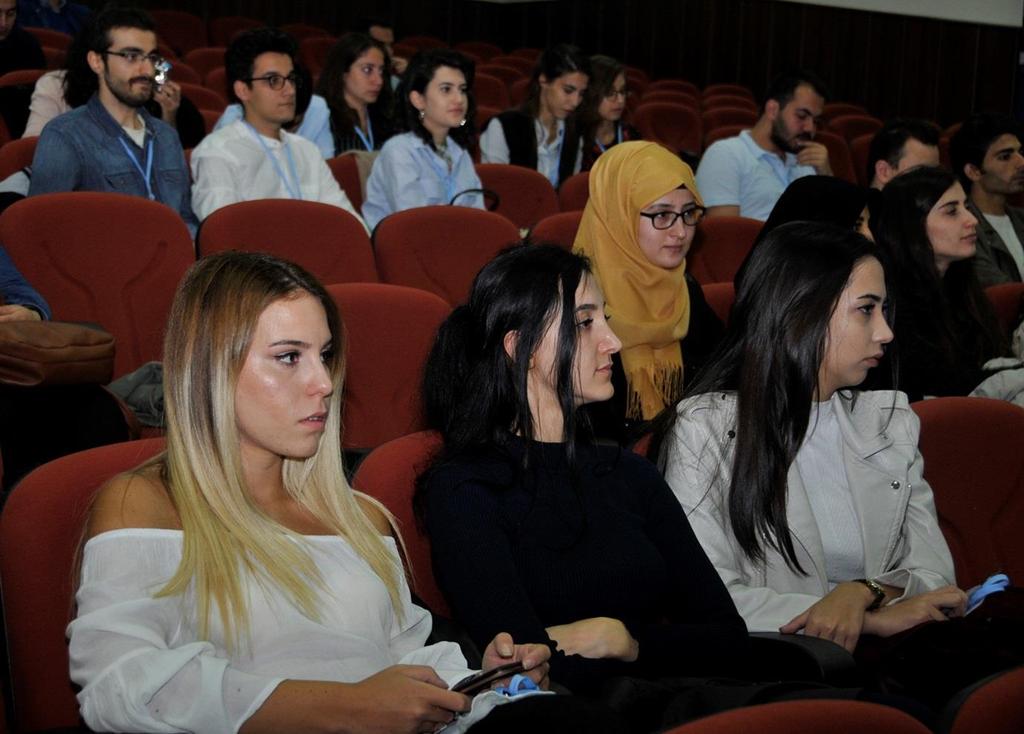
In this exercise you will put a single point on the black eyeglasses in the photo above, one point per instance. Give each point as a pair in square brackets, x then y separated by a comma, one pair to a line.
[133, 57]
[665, 220]
[276, 81]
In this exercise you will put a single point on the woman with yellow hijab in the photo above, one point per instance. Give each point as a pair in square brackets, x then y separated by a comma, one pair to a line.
[637, 229]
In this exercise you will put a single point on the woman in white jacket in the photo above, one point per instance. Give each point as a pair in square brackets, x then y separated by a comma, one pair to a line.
[807, 494]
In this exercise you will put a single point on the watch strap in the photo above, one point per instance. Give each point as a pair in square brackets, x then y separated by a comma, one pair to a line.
[875, 589]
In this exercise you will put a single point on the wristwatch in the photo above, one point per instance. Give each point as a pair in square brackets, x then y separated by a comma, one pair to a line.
[876, 589]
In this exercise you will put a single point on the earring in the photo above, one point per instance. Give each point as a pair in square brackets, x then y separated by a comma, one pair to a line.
[423, 113]
[463, 123]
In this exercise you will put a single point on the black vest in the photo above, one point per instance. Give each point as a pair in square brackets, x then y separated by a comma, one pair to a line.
[522, 143]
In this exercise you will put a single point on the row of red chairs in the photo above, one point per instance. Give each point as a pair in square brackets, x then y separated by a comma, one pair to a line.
[971, 461]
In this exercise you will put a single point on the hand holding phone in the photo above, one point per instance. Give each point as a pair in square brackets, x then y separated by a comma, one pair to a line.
[474, 684]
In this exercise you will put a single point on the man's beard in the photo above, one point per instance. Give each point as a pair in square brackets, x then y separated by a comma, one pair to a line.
[782, 140]
[123, 90]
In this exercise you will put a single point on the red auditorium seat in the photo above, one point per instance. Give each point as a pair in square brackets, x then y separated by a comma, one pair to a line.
[55, 57]
[17, 154]
[50, 38]
[109, 259]
[722, 116]
[738, 89]
[715, 101]
[203, 98]
[223, 30]
[530, 54]
[325, 240]
[440, 248]
[205, 59]
[838, 155]
[720, 297]
[389, 474]
[558, 229]
[313, 52]
[182, 31]
[40, 529]
[821, 716]
[1007, 301]
[675, 85]
[574, 192]
[993, 706]
[525, 66]
[491, 91]
[721, 133]
[675, 97]
[482, 49]
[519, 90]
[345, 169]
[860, 150]
[973, 462]
[852, 126]
[835, 109]
[182, 72]
[210, 119]
[720, 247]
[20, 77]
[677, 127]
[389, 331]
[525, 196]
[507, 74]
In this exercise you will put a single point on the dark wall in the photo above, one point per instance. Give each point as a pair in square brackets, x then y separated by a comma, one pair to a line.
[893, 64]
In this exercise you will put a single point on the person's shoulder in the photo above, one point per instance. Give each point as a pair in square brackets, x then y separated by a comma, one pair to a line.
[216, 140]
[137, 499]
[705, 405]
[76, 119]
[725, 147]
[375, 513]
[301, 145]
[883, 401]
[398, 143]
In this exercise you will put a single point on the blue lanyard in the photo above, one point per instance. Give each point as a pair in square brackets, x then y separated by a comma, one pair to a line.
[447, 177]
[294, 187]
[145, 173]
[367, 141]
[618, 138]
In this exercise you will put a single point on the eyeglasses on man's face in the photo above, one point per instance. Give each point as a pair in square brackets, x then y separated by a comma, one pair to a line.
[666, 219]
[134, 56]
[276, 81]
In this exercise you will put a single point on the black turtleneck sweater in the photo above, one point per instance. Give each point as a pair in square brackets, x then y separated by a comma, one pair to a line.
[518, 550]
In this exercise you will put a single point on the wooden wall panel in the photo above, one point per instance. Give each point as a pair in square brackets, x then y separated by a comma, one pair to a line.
[893, 64]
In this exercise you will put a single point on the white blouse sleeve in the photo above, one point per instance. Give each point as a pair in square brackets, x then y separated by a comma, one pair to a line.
[134, 656]
[493, 146]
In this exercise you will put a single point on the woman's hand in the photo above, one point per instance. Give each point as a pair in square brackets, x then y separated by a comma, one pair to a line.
[597, 637]
[401, 699]
[931, 606]
[838, 617]
[534, 658]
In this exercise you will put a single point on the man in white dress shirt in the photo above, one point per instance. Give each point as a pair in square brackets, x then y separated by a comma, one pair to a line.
[254, 158]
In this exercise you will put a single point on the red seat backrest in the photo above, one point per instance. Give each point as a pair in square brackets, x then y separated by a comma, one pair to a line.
[558, 229]
[440, 248]
[574, 192]
[389, 474]
[389, 331]
[973, 462]
[720, 247]
[525, 196]
[807, 717]
[17, 154]
[40, 530]
[110, 259]
[325, 240]
[677, 127]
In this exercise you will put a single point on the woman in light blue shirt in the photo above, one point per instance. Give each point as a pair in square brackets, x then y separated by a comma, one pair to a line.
[428, 165]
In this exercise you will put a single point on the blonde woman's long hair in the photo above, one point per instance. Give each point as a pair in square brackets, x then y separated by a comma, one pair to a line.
[226, 536]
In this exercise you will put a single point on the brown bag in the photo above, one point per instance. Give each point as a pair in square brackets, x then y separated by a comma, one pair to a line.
[54, 353]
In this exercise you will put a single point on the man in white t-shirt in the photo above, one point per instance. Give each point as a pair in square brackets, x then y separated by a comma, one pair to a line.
[254, 158]
[986, 156]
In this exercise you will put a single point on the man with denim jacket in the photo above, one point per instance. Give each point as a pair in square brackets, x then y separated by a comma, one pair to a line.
[112, 143]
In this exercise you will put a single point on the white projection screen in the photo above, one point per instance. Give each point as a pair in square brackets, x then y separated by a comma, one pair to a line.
[989, 12]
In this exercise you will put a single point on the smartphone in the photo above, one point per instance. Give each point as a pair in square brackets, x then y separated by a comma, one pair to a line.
[473, 684]
[162, 71]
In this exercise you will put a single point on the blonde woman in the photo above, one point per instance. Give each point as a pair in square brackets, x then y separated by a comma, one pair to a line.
[236, 582]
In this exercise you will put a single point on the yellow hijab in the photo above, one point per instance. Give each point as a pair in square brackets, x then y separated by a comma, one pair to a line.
[649, 305]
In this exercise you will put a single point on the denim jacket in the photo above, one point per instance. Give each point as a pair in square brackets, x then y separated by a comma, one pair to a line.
[81, 151]
[15, 290]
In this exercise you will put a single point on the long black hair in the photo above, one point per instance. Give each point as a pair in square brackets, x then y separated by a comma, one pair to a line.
[475, 393]
[771, 357]
[951, 317]
[417, 76]
[331, 86]
[556, 61]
